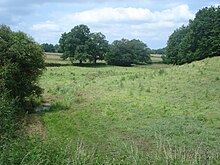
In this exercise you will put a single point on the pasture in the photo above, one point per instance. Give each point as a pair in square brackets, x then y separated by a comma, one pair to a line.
[156, 58]
[153, 114]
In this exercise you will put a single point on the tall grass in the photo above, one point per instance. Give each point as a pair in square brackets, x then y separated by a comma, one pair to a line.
[34, 151]
[155, 114]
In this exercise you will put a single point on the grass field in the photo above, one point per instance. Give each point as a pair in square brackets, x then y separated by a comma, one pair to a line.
[54, 59]
[156, 58]
[153, 114]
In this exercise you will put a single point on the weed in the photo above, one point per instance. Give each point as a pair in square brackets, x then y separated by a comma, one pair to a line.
[161, 72]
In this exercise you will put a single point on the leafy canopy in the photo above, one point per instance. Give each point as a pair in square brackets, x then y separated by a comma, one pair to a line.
[80, 44]
[126, 52]
[198, 40]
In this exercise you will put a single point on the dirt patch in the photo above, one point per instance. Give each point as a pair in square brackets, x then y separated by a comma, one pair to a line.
[35, 125]
[49, 98]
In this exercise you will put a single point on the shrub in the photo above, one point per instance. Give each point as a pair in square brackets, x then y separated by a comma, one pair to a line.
[22, 62]
[8, 122]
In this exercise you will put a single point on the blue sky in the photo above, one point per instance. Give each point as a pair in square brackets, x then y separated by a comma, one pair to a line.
[151, 21]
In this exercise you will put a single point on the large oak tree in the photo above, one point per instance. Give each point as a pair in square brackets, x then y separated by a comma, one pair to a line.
[79, 44]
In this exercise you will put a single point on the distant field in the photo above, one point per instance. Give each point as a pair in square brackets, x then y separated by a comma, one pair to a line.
[156, 58]
[54, 58]
[54, 54]
[153, 114]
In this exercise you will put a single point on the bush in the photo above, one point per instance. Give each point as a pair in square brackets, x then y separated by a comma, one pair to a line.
[22, 62]
[8, 122]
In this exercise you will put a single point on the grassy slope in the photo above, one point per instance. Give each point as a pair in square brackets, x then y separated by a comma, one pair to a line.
[157, 108]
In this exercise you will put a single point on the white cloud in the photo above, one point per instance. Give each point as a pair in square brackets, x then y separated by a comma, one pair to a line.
[152, 27]
[46, 26]
[111, 14]
[130, 14]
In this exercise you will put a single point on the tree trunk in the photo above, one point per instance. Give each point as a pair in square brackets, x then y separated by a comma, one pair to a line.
[95, 61]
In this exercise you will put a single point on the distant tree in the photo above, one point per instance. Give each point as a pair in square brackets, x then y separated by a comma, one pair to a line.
[97, 47]
[22, 62]
[140, 50]
[80, 44]
[48, 47]
[73, 44]
[158, 51]
[173, 46]
[200, 39]
[58, 48]
[64, 45]
[120, 53]
[124, 52]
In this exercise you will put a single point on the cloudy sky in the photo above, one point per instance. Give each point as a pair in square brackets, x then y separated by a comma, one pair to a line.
[151, 21]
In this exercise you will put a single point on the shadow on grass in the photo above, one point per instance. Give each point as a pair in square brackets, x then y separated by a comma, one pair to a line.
[47, 108]
[97, 65]
[100, 65]
[58, 106]
[56, 64]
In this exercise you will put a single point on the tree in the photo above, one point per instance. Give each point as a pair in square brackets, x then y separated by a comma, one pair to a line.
[200, 39]
[80, 44]
[206, 32]
[73, 44]
[158, 51]
[22, 62]
[48, 47]
[173, 46]
[58, 48]
[97, 47]
[140, 50]
[64, 42]
[124, 52]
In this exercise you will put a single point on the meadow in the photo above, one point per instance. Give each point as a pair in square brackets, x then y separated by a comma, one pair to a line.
[147, 114]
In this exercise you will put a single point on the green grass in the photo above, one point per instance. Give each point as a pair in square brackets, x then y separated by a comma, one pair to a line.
[145, 114]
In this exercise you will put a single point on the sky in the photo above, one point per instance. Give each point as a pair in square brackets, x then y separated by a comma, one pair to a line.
[151, 21]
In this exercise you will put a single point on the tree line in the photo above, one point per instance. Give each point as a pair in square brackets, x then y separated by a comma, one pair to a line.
[51, 48]
[82, 45]
[199, 40]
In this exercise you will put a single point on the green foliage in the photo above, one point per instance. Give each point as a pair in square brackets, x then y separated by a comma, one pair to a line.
[48, 47]
[97, 47]
[200, 39]
[126, 52]
[80, 44]
[22, 63]
[8, 123]
[58, 48]
[158, 51]
[51, 48]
